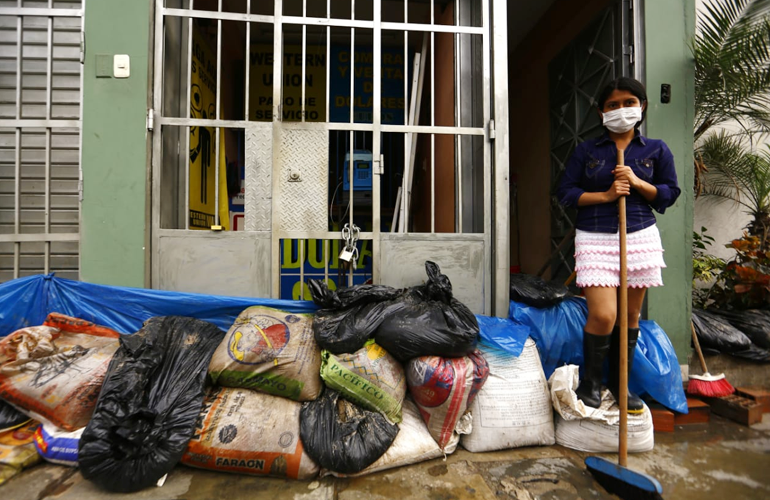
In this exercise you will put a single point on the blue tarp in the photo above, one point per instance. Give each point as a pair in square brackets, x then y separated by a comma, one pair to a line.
[27, 302]
[558, 332]
[503, 333]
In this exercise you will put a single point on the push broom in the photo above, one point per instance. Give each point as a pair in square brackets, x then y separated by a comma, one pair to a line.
[712, 386]
[617, 478]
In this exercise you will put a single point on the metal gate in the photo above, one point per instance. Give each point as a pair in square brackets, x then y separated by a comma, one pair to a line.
[602, 52]
[40, 121]
[343, 113]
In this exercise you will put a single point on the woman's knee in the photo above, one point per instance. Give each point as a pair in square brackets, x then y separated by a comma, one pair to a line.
[600, 322]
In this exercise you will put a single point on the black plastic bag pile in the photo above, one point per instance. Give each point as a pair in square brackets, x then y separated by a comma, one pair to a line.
[341, 436]
[10, 417]
[411, 322]
[536, 292]
[149, 403]
[716, 333]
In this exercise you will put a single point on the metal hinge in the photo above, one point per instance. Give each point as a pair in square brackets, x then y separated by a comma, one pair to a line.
[491, 129]
[378, 166]
[82, 47]
[80, 185]
[150, 119]
[628, 50]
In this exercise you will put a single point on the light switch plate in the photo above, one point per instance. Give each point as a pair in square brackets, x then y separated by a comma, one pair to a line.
[121, 66]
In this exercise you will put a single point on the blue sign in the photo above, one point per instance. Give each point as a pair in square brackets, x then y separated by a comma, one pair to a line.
[393, 101]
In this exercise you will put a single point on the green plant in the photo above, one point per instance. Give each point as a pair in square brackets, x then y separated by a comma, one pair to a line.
[706, 268]
[731, 51]
[740, 176]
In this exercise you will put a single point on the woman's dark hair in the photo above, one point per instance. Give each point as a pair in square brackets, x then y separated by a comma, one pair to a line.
[624, 83]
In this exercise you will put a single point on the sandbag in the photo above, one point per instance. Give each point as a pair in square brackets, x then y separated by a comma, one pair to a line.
[412, 445]
[55, 376]
[444, 389]
[271, 351]
[754, 323]
[151, 398]
[513, 408]
[248, 432]
[370, 377]
[558, 333]
[537, 292]
[342, 437]
[594, 430]
[17, 450]
[419, 321]
[10, 417]
[58, 446]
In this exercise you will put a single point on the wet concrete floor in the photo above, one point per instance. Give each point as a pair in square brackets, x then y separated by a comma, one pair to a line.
[719, 460]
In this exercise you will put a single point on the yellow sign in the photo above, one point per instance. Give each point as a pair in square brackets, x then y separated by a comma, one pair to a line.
[203, 155]
[261, 83]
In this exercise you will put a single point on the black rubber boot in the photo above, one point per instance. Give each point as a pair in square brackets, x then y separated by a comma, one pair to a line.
[595, 349]
[635, 404]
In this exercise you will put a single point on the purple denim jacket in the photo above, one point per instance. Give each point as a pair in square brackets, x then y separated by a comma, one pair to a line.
[589, 169]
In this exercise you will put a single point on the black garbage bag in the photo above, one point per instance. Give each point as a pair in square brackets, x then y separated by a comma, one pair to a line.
[715, 332]
[755, 323]
[349, 316]
[10, 417]
[428, 321]
[425, 320]
[341, 436]
[536, 292]
[149, 403]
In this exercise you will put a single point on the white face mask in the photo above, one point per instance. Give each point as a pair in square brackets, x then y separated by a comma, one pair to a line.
[622, 120]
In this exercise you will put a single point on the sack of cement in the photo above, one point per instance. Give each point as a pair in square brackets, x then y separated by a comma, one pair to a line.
[513, 408]
[58, 446]
[444, 389]
[270, 351]
[370, 377]
[248, 432]
[54, 376]
[594, 430]
[413, 444]
[17, 450]
[342, 437]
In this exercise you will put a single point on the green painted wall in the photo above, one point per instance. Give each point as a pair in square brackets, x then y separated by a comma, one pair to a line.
[669, 27]
[115, 145]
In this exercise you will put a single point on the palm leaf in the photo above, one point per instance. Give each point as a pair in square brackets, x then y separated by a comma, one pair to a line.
[732, 65]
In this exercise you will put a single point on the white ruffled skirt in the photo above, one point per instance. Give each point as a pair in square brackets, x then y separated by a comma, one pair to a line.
[597, 258]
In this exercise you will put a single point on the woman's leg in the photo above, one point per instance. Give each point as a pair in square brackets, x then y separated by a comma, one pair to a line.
[635, 301]
[602, 309]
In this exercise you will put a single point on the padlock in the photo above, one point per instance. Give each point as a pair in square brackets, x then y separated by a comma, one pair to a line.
[346, 255]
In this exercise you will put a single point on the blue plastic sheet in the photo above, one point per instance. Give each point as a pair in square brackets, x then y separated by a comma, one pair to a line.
[503, 333]
[27, 302]
[558, 332]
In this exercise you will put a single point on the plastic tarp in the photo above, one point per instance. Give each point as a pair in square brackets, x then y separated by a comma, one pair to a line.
[503, 333]
[558, 332]
[27, 301]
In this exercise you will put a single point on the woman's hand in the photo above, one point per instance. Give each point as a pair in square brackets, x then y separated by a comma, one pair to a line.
[624, 172]
[619, 188]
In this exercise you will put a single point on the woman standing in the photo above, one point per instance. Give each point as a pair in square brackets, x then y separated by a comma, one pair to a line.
[592, 183]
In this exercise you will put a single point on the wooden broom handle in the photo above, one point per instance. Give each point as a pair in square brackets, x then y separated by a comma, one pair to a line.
[697, 348]
[623, 312]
